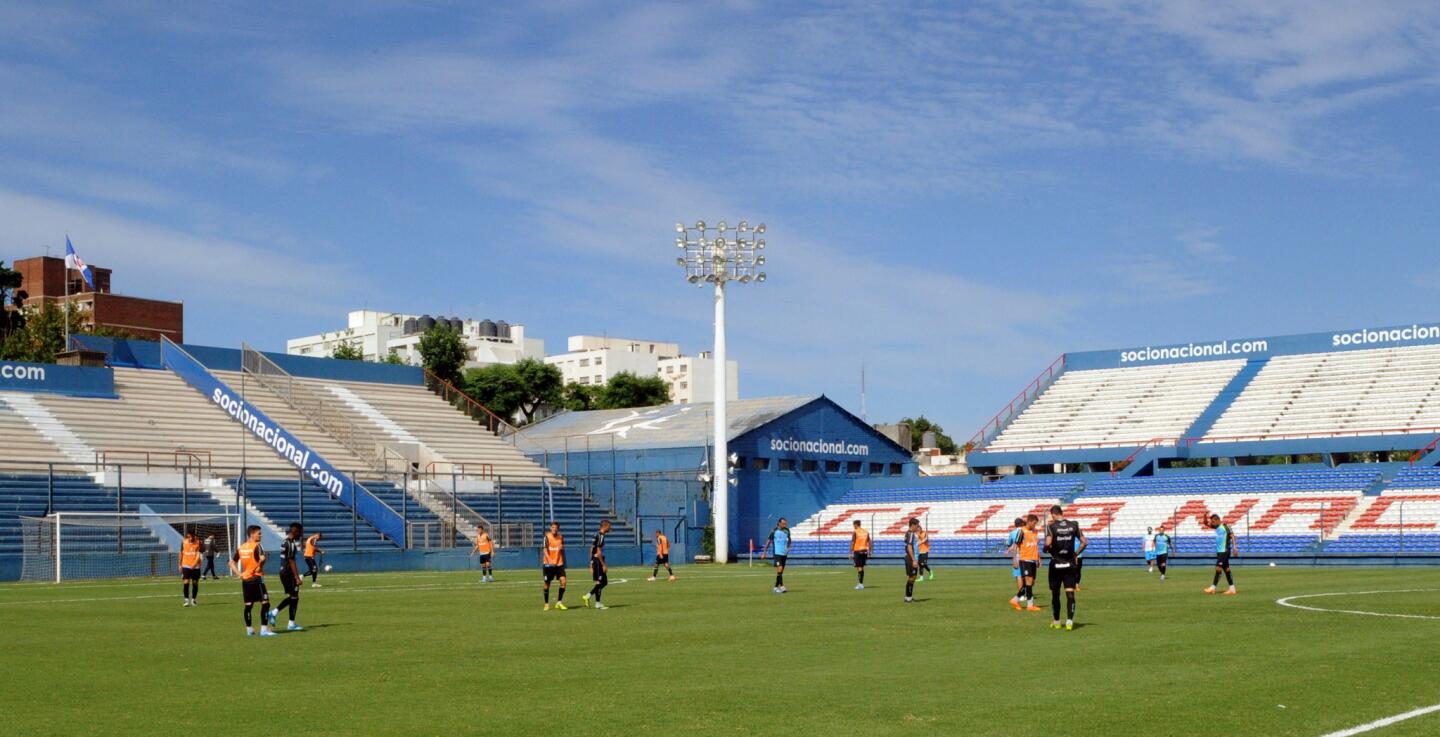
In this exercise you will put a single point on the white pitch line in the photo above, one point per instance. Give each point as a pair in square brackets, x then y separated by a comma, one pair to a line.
[1387, 721]
[1287, 602]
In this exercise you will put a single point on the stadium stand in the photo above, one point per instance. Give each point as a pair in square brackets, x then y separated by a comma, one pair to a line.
[415, 414]
[1120, 406]
[1404, 518]
[1377, 391]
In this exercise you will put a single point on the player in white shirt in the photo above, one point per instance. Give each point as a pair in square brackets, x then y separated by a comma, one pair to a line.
[1149, 550]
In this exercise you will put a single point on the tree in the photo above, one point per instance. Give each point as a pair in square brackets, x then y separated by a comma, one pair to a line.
[347, 351]
[522, 387]
[393, 358]
[12, 317]
[442, 352]
[626, 390]
[581, 397]
[42, 336]
[921, 425]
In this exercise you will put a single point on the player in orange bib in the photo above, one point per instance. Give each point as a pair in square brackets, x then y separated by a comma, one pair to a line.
[190, 567]
[485, 548]
[925, 573]
[1029, 553]
[312, 548]
[248, 564]
[861, 547]
[552, 564]
[662, 556]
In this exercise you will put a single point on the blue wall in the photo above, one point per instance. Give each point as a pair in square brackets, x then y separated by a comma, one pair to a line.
[75, 381]
[146, 354]
[760, 497]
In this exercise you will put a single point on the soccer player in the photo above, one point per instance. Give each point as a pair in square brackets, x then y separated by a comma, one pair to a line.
[248, 564]
[779, 541]
[290, 577]
[312, 548]
[599, 570]
[912, 558]
[925, 555]
[662, 556]
[190, 567]
[485, 548]
[1064, 542]
[552, 564]
[209, 549]
[860, 550]
[1029, 563]
[1162, 550]
[1149, 547]
[1012, 547]
[1224, 549]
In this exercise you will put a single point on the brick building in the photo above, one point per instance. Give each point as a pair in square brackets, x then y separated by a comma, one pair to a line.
[43, 280]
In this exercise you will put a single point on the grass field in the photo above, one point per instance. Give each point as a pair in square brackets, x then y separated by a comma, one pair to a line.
[718, 653]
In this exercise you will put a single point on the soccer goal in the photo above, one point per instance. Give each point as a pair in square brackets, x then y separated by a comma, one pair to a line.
[68, 546]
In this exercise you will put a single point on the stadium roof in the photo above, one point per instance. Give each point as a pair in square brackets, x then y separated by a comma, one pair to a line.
[668, 426]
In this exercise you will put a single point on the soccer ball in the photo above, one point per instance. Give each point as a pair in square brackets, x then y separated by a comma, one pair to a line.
[329, 568]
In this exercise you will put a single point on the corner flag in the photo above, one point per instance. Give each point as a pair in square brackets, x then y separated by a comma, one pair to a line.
[73, 261]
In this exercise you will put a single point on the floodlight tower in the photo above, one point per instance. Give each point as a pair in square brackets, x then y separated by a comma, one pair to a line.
[718, 254]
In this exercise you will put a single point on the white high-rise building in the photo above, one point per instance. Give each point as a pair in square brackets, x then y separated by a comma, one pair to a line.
[593, 360]
[377, 333]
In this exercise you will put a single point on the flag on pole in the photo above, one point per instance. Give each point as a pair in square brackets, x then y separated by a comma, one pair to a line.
[73, 261]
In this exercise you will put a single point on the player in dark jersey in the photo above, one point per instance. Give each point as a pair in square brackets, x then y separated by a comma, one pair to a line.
[599, 570]
[291, 550]
[1224, 549]
[1064, 542]
[912, 558]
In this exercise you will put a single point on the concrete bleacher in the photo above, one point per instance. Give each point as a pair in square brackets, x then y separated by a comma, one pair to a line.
[1352, 479]
[408, 413]
[1378, 391]
[1116, 407]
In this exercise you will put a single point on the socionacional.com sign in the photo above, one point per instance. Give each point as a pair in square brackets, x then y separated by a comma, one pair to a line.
[78, 381]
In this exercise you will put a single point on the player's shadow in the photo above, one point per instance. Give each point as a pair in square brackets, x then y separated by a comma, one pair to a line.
[326, 624]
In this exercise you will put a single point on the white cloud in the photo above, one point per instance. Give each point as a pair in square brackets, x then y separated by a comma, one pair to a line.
[160, 262]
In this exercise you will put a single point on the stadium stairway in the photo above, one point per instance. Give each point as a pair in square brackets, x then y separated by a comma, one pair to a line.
[50, 427]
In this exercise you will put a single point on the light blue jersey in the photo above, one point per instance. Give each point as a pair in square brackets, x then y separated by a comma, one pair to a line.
[1162, 544]
[1222, 539]
[780, 540]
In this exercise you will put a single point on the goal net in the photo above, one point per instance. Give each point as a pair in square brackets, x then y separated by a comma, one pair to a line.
[69, 546]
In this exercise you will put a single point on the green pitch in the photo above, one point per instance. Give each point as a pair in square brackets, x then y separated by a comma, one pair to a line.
[718, 653]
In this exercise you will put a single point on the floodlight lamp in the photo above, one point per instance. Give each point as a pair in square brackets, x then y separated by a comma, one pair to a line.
[760, 228]
[744, 278]
[744, 226]
[680, 242]
[760, 277]
[679, 227]
[680, 261]
[693, 279]
[759, 260]
[700, 225]
[760, 243]
[720, 225]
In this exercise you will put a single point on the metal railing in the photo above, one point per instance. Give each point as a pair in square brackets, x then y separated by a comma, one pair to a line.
[312, 406]
[194, 460]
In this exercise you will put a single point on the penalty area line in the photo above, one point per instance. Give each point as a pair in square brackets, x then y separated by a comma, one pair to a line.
[1387, 721]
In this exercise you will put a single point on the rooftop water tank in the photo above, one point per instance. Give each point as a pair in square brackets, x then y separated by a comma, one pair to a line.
[411, 325]
[488, 329]
[426, 322]
[503, 328]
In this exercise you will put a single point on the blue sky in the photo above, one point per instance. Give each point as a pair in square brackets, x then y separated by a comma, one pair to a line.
[956, 193]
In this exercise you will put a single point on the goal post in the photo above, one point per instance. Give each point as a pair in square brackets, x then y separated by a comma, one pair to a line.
[67, 546]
